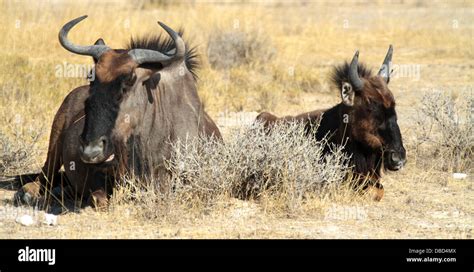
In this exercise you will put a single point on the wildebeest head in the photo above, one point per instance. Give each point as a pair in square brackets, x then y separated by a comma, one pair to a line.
[120, 85]
[369, 109]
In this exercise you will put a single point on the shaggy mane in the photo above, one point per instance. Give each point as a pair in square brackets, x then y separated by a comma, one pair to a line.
[165, 44]
[340, 73]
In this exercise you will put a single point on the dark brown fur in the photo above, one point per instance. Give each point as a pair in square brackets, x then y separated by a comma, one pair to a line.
[361, 134]
[162, 104]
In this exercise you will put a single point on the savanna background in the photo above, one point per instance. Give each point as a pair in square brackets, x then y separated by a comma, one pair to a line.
[258, 55]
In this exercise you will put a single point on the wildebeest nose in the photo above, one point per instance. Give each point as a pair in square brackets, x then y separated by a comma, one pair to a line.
[102, 142]
[93, 151]
[397, 158]
[394, 156]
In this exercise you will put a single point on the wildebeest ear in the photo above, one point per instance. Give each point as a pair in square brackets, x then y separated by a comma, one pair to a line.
[384, 71]
[100, 41]
[150, 84]
[347, 94]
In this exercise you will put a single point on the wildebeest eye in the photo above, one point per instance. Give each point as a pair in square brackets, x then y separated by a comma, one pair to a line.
[128, 82]
[131, 79]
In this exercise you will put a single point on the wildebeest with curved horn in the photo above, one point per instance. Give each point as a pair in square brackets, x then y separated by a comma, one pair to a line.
[141, 99]
[365, 120]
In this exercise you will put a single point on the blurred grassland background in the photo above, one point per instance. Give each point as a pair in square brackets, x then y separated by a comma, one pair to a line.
[267, 55]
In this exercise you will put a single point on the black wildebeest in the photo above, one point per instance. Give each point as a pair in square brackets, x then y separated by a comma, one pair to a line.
[365, 120]
[141, 99]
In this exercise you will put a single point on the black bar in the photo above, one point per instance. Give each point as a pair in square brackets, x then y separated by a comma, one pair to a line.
[377, 255]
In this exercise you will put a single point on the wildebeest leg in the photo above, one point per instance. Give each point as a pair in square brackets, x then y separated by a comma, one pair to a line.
[27, 194]
[45, 181]
[99, 200]
[376, 191]
[100, 191]
[15, 182]
[50, 171]
[368, 184]
[62, 199]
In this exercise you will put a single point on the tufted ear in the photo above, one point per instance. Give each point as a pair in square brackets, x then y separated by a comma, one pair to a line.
[347, 94]
[100, 41]
[385, 70]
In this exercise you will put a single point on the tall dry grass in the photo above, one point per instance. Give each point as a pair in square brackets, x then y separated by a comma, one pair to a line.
[251, 165]
[446, 130]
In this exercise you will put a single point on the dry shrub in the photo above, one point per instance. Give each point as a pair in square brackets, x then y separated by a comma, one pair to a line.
[17, 152]
[234, 48]
[251, 163]
[285, 166]
[146, 199]
[446, 131]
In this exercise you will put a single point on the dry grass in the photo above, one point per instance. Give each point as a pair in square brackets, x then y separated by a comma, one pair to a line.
[421, 201]
[446, 130]
[252, 164]
[16, 154]
[239, 47]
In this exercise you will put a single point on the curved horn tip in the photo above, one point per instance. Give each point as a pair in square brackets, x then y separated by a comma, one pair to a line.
[390, 50]
[163, 25]
[385, 69]
[179, 43]
[355, 58]
[78, 19]
[65, 29]
[170, 31]
[92, 50]
[355, 81]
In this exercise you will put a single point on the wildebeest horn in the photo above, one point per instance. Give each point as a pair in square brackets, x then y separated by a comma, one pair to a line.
[385, 69]
[91, 50]
[151, 56]
[354, 74]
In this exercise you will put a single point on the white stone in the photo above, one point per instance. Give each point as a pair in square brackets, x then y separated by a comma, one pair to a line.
[25, 220]
[50, 219]
[459, 175]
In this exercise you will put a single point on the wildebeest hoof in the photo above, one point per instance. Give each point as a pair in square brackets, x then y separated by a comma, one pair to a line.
[99, 200]
[376, 192]
[28, 194]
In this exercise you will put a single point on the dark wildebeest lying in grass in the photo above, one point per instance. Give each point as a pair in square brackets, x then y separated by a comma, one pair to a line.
[141, 99]
[365, 121]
